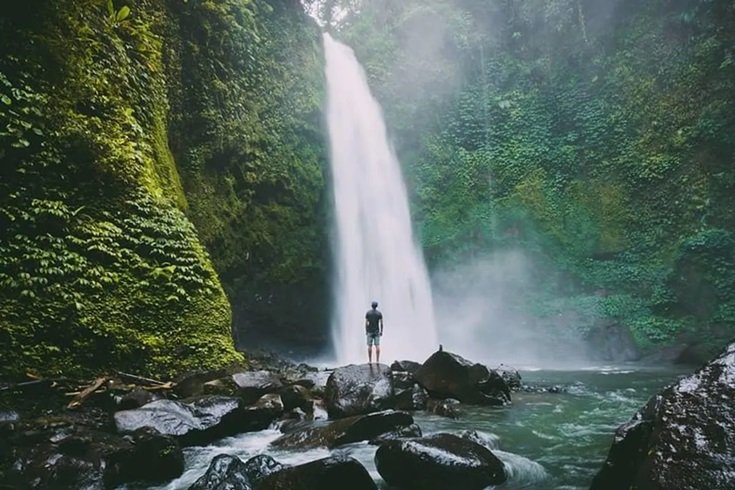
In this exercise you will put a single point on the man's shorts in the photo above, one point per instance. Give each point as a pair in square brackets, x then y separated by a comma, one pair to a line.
[373, 339]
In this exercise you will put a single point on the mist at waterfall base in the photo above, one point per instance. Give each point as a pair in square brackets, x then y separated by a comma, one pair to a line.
[376, 256]
[483, 313]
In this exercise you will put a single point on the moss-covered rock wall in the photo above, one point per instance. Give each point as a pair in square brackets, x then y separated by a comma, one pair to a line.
[133, 137]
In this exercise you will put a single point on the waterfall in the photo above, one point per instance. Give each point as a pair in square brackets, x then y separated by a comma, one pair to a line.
[376, 256]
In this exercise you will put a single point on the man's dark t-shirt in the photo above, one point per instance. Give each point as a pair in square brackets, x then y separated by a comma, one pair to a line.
[373, 318]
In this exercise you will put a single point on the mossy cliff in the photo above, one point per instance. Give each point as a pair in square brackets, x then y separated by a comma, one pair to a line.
[593, 136]
[131, 139]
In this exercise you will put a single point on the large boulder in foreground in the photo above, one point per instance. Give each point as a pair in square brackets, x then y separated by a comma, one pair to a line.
[61, 455]
[347, 430]
[684, 438]
[201, 420]
[447, 375]
[358, 389]
[323, 474]
[438, 462]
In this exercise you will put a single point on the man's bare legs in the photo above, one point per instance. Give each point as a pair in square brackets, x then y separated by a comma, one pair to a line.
[377, 354]
[370, 355]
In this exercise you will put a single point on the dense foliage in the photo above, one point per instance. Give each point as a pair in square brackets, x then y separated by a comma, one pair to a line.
[596, 136]
[121, 124]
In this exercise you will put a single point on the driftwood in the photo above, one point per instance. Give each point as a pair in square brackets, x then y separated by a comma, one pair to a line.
[139, 380]
[86, 392]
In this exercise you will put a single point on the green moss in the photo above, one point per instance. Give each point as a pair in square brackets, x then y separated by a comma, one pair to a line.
[99, 267]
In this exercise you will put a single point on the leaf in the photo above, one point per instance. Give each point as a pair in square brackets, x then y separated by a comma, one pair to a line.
[123, 13]
[6, 100]
[110, 8]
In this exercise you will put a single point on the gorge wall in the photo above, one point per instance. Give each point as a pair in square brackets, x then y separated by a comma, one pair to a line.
[157, 157]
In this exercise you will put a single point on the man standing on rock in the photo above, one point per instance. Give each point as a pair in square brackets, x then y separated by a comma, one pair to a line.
[373, 330]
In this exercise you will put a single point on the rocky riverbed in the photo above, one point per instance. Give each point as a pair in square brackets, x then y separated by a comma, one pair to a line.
[359, 424]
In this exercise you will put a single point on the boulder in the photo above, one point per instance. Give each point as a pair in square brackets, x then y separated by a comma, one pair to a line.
[358, 389]
[323, 474]
[683, 438]
[511, 376]
[448, 407]
[135, 398]
[191, 384]
[490, 441]
[262, 413]
[222, 386]
[404, 432]
[260, 466]
[295, 396]
[225, 472]
[447, 375]
[193, 422]
[439, 461]
[346, 430]
[254, 384]
[69, 456]
[405, 366]
[408, 395]
[9, 417]
[228, 472]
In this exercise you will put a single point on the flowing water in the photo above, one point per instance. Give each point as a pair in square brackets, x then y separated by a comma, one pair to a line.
[376, 255]
[548, 441]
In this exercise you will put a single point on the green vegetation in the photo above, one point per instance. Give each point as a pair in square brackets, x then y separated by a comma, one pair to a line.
[121, 123]
[160, 156]
[596, 136]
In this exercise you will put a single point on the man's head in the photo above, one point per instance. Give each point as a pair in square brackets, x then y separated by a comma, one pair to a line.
[374, 304]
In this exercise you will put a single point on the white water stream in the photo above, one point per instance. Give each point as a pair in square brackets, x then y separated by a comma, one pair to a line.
[376, 255]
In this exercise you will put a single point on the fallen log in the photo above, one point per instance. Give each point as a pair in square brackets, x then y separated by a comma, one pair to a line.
[139, 380]
[86, 392]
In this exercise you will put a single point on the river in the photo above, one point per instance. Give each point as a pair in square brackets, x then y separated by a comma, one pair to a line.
[549, 441]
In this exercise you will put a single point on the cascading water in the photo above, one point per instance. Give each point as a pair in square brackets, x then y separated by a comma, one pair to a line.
[375, 252]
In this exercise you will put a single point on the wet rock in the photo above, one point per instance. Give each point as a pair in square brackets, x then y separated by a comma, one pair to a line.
[405, 432]
[683, 438]
[324, 474]
[408, 395]
[260, 415]
[358, 389]
[448, 407]
[262, 465]
[447, 375]
[511, 376]
[254, 384]
[9, 417]
[438, 462]
[135, 399]
[489, 441]
[222, 387]
[405, 366]
[317, 410]
[228, 472]
[75, 457]
[154, 458]
[198, 421]
[535, 388]
[295, 396]
[192, 383]
[346, 430]
[225, 472]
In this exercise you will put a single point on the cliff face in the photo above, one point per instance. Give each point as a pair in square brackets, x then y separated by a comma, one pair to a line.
[147, 147]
